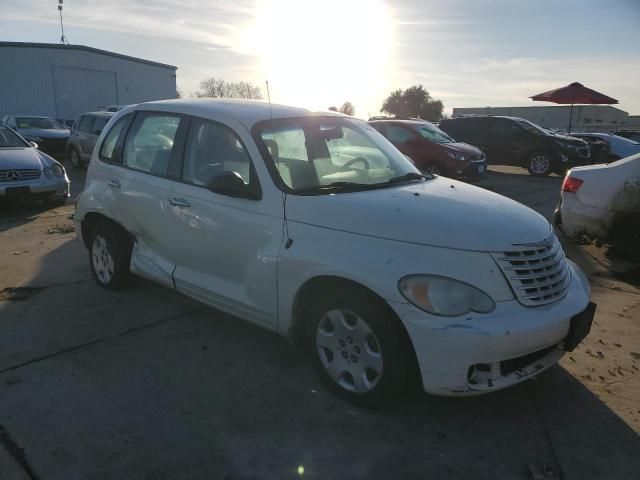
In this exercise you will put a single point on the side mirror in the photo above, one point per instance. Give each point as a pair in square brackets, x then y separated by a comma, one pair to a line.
[33, 144]
[231, 184]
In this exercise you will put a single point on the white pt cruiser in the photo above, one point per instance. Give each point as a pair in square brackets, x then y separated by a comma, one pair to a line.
[314, 226]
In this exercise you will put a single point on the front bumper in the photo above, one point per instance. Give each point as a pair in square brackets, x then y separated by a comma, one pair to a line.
[478, 353]
[473, 171]
[56, 187]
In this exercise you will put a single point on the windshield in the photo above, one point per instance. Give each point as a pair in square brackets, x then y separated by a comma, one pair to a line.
[432, 133]
[332, 154]
[38, 122]
[8, 139]
[532, 127]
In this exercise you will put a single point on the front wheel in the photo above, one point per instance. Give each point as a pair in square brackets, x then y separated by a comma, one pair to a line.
[540, 164]
[359, 348]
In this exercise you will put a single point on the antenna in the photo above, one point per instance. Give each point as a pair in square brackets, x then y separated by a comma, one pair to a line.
[289, 241]
[63, 39]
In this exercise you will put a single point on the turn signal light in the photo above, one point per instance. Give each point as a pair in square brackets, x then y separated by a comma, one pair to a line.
[571, 184]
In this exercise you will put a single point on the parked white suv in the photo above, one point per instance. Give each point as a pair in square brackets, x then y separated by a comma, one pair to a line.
[314, 226]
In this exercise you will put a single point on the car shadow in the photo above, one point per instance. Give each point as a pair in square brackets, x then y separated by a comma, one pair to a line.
[146, 384]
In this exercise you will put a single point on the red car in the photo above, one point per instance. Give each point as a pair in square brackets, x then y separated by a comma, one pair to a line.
[432, 150]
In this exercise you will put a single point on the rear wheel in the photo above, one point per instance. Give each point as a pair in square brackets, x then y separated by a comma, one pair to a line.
[109, 256]
[540, 164]
[75, 159]
[358, 347]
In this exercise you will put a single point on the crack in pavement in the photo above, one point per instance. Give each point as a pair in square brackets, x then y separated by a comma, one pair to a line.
[16, 294]
[16, 452]
[100, 340]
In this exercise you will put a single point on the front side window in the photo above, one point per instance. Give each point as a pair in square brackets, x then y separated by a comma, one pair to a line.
[149, 144]
[211, 149]
[321, 154]
[85, 124]
[108, 151]
[99, 124]
[8, 139]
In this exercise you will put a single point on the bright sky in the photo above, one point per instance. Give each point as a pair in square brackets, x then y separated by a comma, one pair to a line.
[317, 53]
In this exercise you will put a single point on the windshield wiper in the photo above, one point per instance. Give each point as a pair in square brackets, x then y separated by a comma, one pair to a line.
[410, 176]
[337, 186]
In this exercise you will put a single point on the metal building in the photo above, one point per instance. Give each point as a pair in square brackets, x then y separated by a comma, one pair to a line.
[63, 81]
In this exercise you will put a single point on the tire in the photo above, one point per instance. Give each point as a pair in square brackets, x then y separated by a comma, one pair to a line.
[74, 158]
[626, 236]
[109, 256]
[358, 347]
[540, 164]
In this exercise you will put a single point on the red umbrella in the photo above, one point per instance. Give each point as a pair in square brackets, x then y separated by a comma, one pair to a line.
[574, 93]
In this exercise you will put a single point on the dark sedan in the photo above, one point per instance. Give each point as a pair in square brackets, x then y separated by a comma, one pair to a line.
[50, 135]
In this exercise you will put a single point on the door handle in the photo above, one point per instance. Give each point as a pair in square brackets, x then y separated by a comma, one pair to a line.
[179, 202]
[114, 183]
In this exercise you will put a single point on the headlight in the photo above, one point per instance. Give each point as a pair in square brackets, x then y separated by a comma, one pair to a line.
[57, 170]
[444, 296]
[456, 156]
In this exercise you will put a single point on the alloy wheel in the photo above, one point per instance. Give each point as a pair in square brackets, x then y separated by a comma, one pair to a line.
[102, 260]
[349, 351]
[540, 164]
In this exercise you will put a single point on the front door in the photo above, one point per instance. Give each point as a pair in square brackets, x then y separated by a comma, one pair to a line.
[225, 247]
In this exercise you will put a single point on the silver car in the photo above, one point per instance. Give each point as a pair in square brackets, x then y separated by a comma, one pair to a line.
[26, 172]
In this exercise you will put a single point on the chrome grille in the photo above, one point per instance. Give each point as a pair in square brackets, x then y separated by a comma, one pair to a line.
[19, 174]
[538, 273]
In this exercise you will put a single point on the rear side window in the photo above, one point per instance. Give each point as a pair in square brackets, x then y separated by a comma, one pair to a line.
[150, 141]
[108, 150]
[85, 123]
[501, 127]
[213, 148]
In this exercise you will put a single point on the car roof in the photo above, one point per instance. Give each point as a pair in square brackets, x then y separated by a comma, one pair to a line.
[29, 116]
[247, 112]
[100, 113]
[485, 116]
[400, 120]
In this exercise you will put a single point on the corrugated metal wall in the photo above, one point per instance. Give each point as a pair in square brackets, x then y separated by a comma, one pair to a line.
[64, 82]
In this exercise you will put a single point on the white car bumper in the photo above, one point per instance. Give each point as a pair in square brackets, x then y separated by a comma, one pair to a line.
[580, 219]
[480, 353]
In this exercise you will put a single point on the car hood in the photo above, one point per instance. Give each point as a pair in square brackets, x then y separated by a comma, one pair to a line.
[44, 133]
[570, 139]
[439, 212]
[17, 158]
[464, 148]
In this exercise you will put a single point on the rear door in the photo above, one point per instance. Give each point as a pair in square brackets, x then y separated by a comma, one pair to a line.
[144, 188]
[506, 142]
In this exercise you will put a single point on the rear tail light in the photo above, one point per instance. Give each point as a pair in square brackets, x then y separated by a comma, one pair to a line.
[571, 184]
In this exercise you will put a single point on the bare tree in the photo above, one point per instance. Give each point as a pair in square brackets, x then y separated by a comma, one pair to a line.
[347, 108]
[218, 88]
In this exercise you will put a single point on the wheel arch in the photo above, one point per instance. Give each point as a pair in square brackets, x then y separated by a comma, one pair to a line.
[327, 283]
[91, 219]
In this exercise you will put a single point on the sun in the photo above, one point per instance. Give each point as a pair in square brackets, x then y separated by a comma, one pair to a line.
[321, 53]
